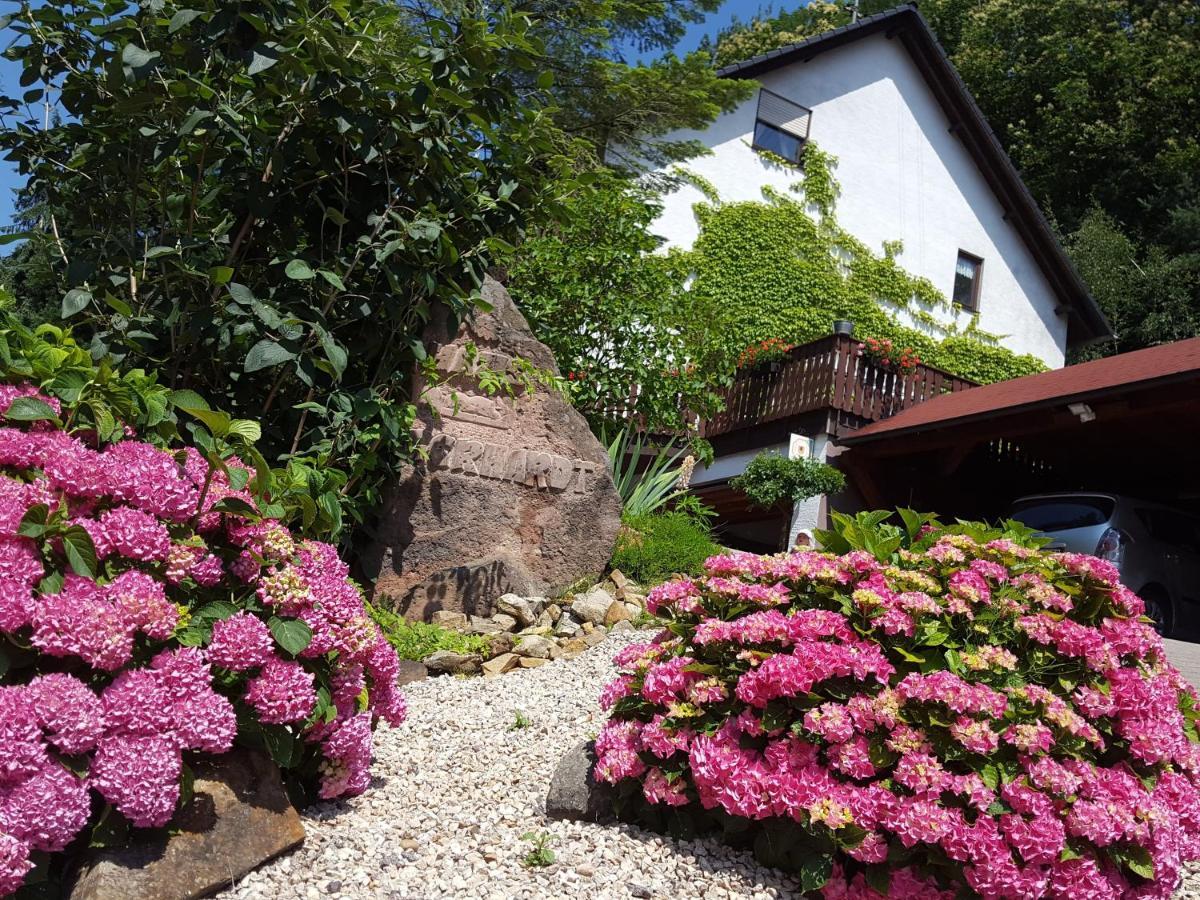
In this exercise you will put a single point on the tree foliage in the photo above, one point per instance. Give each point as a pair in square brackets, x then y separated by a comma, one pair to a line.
[264, 200]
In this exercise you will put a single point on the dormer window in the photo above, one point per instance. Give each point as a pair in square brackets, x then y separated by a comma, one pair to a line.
[781, 126]
[968, 273]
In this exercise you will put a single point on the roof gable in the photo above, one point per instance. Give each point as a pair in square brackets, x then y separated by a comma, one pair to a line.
[1086, 323]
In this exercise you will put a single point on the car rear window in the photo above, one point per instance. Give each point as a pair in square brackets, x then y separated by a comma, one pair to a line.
[1062, 513]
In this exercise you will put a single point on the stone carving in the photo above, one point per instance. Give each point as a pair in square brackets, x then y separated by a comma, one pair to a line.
[513, 494]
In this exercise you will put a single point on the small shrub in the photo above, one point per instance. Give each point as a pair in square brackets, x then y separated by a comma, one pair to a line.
[771, 479]
[653, 547]
[416, 640]
[541, 855]
[951, 712]
[150, 610]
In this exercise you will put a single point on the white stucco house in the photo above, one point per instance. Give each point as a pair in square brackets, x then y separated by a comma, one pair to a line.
[917, 163]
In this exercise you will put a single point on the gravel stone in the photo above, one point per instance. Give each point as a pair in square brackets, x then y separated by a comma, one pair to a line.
[455, 785]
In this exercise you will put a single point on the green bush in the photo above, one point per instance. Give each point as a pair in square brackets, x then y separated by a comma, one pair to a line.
[651, 548]
[416, 640]
[771, 479]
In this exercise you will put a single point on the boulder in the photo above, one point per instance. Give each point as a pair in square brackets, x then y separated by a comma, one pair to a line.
[449, 619]
[238, 818]
[410, 671]
[447, 662]
[505, 622]
[524, 611]
[617, 613]
[567, 626]
[513, 484]
[499, 644]
[500, 664]
[574, 792]
[535, 645]
[592, 606]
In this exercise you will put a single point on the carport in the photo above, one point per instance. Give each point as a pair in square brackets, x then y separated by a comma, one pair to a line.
[1128, 424]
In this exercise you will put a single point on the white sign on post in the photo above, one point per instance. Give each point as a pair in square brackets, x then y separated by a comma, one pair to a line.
[799, 447]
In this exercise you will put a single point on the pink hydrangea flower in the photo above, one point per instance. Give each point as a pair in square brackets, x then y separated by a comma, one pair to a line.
[240, 642]
[282, 692]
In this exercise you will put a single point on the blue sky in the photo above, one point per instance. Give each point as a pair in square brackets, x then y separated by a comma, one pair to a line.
[742, 9]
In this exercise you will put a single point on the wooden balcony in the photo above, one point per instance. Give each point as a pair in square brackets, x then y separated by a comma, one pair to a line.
[827, 374]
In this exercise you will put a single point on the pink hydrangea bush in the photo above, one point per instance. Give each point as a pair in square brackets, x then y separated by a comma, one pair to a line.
[968, 716]
[147, 614]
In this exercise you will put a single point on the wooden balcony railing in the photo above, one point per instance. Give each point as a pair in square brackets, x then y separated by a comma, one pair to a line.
[827, 374]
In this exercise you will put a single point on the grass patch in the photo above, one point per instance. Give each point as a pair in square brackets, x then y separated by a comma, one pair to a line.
[416, 640]
[652, 548]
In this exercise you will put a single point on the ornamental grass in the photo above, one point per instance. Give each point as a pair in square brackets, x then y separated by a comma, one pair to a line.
[148, 615]
[953, 712]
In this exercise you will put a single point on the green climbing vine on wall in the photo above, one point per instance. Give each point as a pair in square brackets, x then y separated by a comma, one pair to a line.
[783, 268]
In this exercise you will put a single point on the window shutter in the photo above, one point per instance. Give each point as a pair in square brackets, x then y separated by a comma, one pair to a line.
[783, 114]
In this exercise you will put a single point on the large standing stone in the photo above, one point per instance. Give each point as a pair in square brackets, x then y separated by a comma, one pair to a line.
[515, 494]
[239, 817]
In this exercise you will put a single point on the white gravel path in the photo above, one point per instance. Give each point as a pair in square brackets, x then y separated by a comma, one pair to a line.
[456, 789]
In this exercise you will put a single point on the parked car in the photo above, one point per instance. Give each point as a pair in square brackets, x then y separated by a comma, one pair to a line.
[1157, 548]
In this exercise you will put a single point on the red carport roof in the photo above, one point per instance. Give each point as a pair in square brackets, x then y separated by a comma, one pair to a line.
[1166, 362]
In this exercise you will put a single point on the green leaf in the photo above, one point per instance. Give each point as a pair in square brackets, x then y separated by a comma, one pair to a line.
[181, 18]
[815, 871]
[291, 634]
[156, 252]
[247, 429]
[332, 278]
[52, 583]
[281, 744]
[188, 400]
[267, 353]
[299, 270]
[136, 57]
[235, 505]
[218, 422]
[30, 409]
[1136, 859]
[262, 57]
[220, 274]
[33, 523]
[80, 551]
[75, 301]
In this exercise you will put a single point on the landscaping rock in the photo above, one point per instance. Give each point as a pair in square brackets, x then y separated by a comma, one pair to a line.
[554, 611]
[500, 664]
[595, 636]
[447, 662]
[544, 620]
[238, 818]
[566, 626]
[532, 662]
[447, 619]
[484, 625]
[622, 627]
[522, 610]
[618, 612]
[505, 622]
[619, 579]
[592, 606]
[535, 645]
[518, 487]
[501, 643]
[574, 793]
[410, 671]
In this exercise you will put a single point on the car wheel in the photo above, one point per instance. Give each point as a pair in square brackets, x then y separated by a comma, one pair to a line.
[1159, 609]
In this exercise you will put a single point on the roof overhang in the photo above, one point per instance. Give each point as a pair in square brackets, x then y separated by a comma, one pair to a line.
[1086, 324]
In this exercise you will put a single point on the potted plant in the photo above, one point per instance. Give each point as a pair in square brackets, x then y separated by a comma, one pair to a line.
[768, 354]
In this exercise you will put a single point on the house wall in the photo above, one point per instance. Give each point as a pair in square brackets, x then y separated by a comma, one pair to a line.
[903, 176]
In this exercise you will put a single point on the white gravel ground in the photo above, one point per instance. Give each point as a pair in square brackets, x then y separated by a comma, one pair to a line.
[456, 789]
